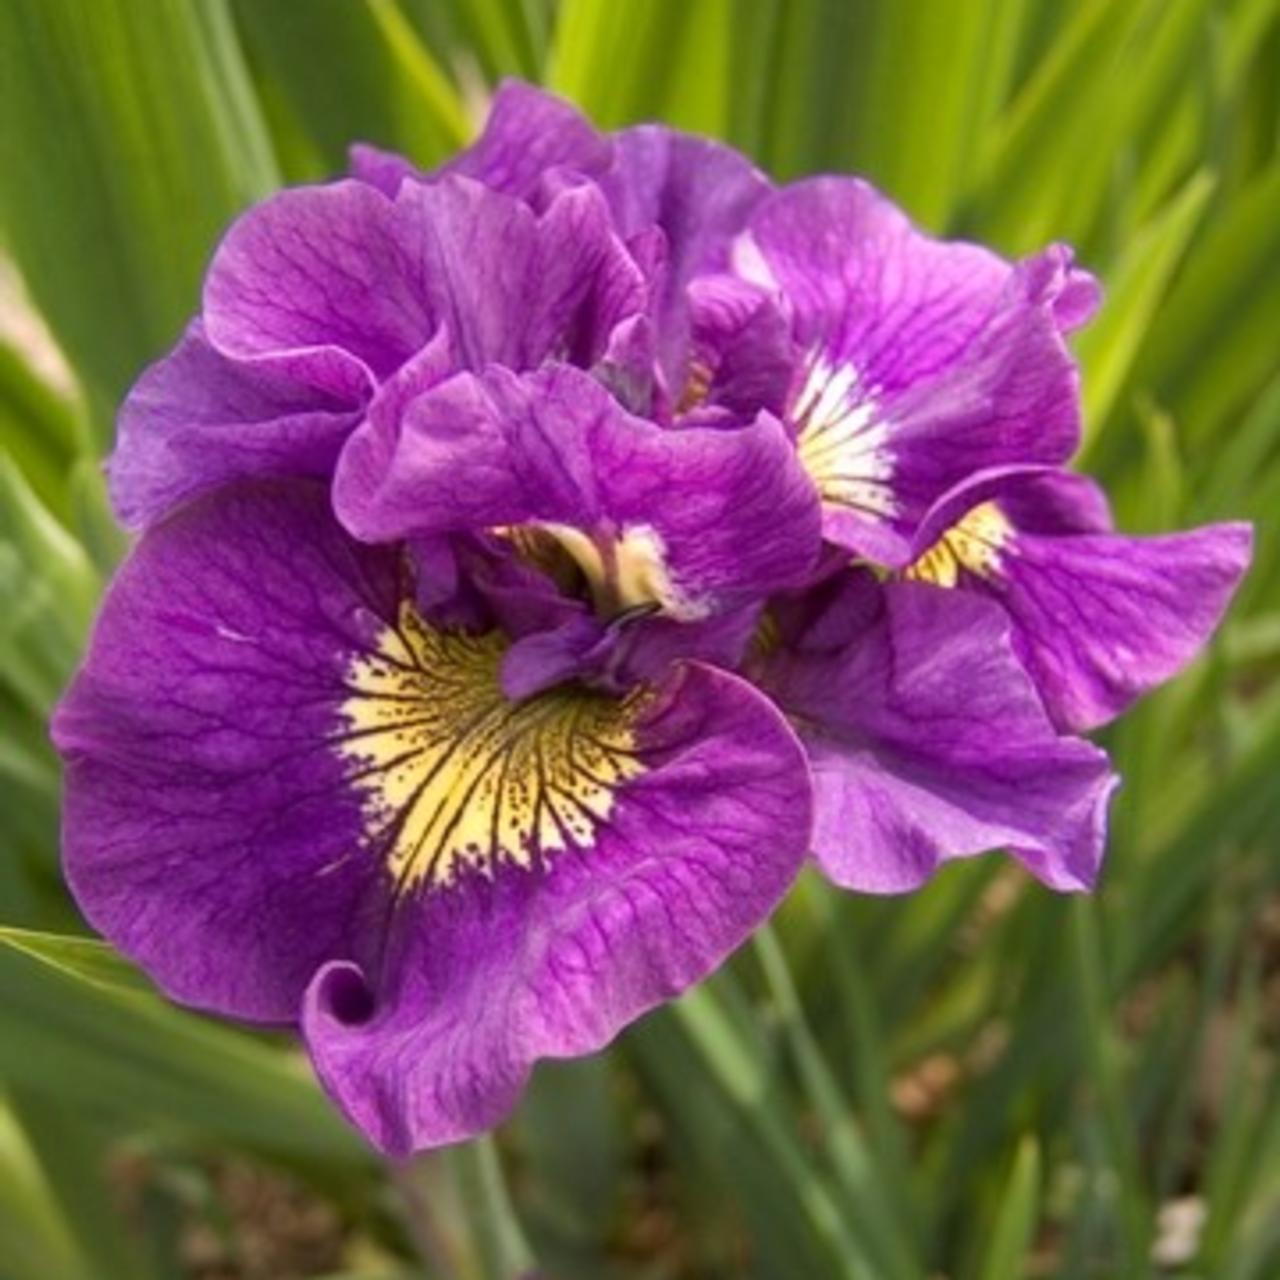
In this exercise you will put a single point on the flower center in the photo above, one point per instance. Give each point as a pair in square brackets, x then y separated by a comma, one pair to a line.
[623, 571]
[455, 777]
[697, 387]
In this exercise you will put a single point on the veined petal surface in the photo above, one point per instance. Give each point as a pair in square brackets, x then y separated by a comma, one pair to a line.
[928, 741]
[1098, 618]
[291, 796]
[528, 133]
[485, 976]
[693, 519]
[197, 419]
[922, 361]
[322, 297]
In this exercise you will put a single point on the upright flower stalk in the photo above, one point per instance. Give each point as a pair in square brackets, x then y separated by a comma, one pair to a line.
[540, 558]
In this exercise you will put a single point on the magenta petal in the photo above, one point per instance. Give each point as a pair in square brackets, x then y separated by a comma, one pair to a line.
[512, 286]
[707, 517]
[382, 170]
[196, 419]
[698, 192]
[1098, 618]
[862, 282]
[289, 796]
[1101, 620]
[741, 353]
[498, 972]
[324, 299]
[208, 829]
[928, 743]
[341, 280]
[1076, 294]
[529, 133]
[319, 281]
[924, 361]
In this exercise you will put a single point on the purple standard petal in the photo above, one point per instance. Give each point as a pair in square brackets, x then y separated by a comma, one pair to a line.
[308, 304]
[323, 299]
[695, 520]
[676, 200]
[698, 194]
[1098, 618]
[928, 741]
[380, 169]
[740, 351]
[528, 133]
[196, 419]
[345, 272]
[685, 823]
[320, 283]
[292, 798]
[924, 361]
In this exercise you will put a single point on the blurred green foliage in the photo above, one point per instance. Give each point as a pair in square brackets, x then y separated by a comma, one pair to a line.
[981, 1081]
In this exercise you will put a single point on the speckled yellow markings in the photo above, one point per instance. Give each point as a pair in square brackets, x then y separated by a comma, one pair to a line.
[455, 776]
[973, 544]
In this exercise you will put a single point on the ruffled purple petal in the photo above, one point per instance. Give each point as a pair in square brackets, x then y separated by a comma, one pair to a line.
[383, 170]
[324, 299]
[291, 797]
[497, 971]
[196, 419]
[1099, 619]
[698, 194]
[696, 520]
[924, 361]
[928, 741]
[321, 282]
[528, 133]
[343, 269]
[741, 356]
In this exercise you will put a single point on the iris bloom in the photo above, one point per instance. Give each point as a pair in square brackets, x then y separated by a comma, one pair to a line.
[540, 557]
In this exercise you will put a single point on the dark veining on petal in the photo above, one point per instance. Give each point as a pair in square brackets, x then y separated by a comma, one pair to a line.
[458, 777]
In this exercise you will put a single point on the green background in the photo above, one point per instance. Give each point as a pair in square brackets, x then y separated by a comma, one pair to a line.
[979, 1081]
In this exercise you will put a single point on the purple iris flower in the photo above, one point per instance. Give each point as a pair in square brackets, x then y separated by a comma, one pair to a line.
[934, 404]
[540, 557]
